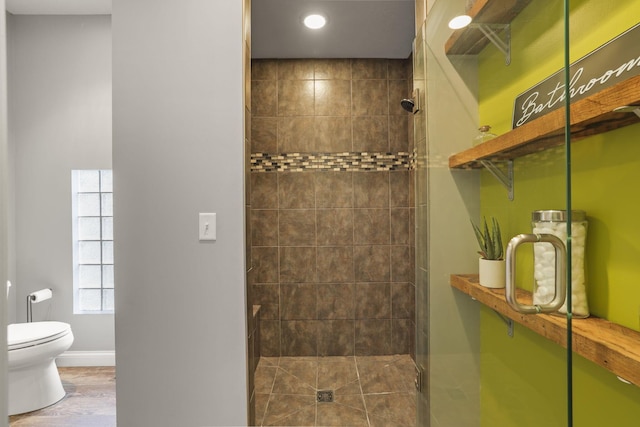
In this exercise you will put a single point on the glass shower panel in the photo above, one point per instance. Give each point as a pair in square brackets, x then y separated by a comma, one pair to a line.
[604, 170]
[475, 372]
[422, 226]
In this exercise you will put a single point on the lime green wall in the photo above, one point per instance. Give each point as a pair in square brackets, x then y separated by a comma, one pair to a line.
[537, 49]
[523, 383]
[524, 378]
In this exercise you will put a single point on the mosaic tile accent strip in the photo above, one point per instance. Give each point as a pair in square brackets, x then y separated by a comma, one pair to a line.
[352, 162]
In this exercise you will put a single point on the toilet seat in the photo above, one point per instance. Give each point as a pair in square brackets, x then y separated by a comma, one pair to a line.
[22, 335]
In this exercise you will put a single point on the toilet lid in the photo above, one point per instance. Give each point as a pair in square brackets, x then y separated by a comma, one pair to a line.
[21, 335]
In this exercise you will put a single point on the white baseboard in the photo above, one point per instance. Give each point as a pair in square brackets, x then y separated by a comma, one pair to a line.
[86, 358]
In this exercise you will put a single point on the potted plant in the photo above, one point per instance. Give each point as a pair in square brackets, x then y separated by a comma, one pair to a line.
[491, 264]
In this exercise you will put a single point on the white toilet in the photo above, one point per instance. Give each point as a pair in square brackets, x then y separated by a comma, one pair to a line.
[34, 382]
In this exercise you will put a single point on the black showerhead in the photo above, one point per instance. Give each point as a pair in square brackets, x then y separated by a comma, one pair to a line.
[407, 104]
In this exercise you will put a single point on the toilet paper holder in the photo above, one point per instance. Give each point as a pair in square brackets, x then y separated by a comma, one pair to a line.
[36, 297]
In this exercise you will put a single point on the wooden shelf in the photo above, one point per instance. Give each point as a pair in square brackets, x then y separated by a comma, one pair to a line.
[589, 116]
[470, 41]
[607, 344]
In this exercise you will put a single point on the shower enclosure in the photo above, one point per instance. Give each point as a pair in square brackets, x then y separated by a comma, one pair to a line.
[482, 363]
[331, 241]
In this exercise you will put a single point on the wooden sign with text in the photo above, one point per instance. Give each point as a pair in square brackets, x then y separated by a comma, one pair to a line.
[611, 63]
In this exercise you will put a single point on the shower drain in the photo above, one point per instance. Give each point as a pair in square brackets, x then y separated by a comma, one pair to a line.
[325, 396]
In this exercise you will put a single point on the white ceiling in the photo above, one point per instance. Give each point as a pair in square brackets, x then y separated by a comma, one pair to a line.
[355, 28]
[59, 7]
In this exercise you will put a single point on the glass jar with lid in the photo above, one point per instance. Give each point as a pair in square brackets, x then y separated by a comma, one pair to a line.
[555, 222]
[484, 135]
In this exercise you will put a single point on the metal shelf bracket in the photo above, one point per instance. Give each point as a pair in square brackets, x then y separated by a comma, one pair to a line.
[491, 32]
[507, 322]
[505, 178]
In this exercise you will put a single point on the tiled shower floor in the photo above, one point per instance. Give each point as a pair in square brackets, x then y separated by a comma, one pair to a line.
[368, 391]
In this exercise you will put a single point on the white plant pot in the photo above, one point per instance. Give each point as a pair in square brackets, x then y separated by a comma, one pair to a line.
[492, 273]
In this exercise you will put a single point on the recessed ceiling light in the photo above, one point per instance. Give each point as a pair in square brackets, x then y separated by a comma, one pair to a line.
[459, 22]
[315, 21]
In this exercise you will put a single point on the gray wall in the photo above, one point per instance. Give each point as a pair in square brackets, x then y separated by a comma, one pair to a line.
[4, 166]
[449, 198]
[11, 234]
[60, 119]
[177, 151]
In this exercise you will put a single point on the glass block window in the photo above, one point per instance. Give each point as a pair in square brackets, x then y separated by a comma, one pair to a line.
[92, 208]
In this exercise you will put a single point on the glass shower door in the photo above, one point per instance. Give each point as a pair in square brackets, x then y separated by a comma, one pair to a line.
[482, 363]
[480, 368]
[605, 167]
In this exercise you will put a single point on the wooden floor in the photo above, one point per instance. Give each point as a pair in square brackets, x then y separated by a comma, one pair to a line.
[90, 401]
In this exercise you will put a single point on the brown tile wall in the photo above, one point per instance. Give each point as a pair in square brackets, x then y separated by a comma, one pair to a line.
[332, 252]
